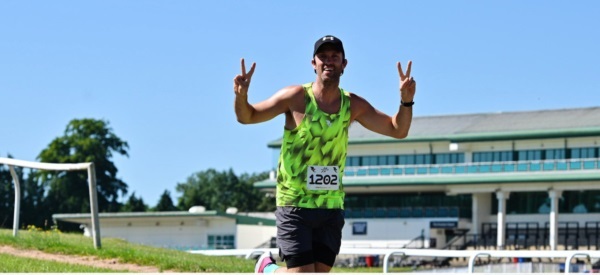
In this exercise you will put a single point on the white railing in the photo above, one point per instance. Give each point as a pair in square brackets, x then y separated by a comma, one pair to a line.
[551, 165]
[472, 255]
[89, 166]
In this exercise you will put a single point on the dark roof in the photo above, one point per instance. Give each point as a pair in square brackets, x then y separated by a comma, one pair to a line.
[490, 126]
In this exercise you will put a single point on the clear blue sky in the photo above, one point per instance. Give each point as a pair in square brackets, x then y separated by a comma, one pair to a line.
[161, 71]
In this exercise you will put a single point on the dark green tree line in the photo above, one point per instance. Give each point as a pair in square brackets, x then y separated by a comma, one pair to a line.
[220, 190]
[7, 192]
[165, 203]
[134, 204]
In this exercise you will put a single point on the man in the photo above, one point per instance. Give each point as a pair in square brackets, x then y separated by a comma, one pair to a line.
[310, 193]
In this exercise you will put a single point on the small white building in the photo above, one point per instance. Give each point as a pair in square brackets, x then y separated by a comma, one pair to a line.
[196, 229]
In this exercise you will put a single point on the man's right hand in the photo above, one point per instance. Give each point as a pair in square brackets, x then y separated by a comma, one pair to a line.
[408, 85]
[241, 82]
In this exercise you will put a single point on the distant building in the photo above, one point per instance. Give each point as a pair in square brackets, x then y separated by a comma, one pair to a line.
[182, 230]
[493, 180]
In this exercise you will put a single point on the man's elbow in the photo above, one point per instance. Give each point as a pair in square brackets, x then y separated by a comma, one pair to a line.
[243, 120]
[400, 135]
[243, 117]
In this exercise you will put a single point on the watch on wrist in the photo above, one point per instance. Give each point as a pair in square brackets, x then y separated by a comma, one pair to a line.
[407, 104]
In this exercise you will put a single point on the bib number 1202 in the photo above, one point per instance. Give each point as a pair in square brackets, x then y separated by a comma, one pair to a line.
[322, 178]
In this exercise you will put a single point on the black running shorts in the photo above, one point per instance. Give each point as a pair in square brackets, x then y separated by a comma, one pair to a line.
[302, 230]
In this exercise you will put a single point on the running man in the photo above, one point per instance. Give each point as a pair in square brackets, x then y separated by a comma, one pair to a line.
[310, 190]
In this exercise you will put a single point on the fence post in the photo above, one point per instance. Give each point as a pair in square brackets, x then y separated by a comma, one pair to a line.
[472, 260]
[94, 205]
[17, 200]
[568, 261]
[386, 259]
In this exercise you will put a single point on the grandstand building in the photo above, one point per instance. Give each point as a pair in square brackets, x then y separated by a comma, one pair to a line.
[507, 180]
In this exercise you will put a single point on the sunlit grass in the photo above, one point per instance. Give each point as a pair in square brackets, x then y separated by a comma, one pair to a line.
[125, 252]
[163, 259]
[14, 264]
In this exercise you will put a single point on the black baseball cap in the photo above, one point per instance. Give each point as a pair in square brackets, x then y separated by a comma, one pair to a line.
[331, 40]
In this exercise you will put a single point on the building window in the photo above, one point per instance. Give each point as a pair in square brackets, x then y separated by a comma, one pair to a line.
[414, 159]
[359, 228]
[539, 203]
[582, 153]
[392, 160]
[523, 203]
[353, 161]
[524, 155]
[580, 202]
[406, 159]
[369, 161]
[555, 154]
[445, 158]
[385, 160]
[424, 199]
[221, 241]
[423, 159]
[441, 158]
[495, 156]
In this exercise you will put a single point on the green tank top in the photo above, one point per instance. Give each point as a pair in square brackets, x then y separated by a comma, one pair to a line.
[313, 155]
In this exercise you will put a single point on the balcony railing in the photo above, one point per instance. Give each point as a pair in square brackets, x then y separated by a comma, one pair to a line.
[475, 168]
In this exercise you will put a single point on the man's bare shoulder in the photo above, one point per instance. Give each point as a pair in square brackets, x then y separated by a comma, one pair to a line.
[357, 100]
[359, 106]
[292, 90]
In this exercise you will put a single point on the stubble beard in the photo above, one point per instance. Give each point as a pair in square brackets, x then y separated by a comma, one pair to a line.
[331, 80]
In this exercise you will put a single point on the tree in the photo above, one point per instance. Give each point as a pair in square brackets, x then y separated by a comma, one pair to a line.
[7, 197]
[195, 191]
[32, 211]
[165, 203]
[220, 190]
[84, 140]
[261, 201]
[32, 200]
[134, 204]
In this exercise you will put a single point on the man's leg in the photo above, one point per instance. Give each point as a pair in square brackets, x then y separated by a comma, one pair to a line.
[324, 257]
[301, 263]
[309, 268]
[322, 268]
[294, 239]
[327, 240]
[294, 234]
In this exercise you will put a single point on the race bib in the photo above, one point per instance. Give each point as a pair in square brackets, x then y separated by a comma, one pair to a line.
[323, 178]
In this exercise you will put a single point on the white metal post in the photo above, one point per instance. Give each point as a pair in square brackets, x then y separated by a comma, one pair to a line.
[471, 265]
[89, 166]
[94, 205]
[386, 259]
[554, 196]
[502, 196]
[570, 258]
[17, 200]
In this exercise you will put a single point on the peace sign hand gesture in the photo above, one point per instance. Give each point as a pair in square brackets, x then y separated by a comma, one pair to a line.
[241, 82]
[408, 85]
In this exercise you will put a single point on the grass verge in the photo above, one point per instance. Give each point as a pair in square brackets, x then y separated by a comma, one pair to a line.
[56, 242]
[13, 264]
[164, 259]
